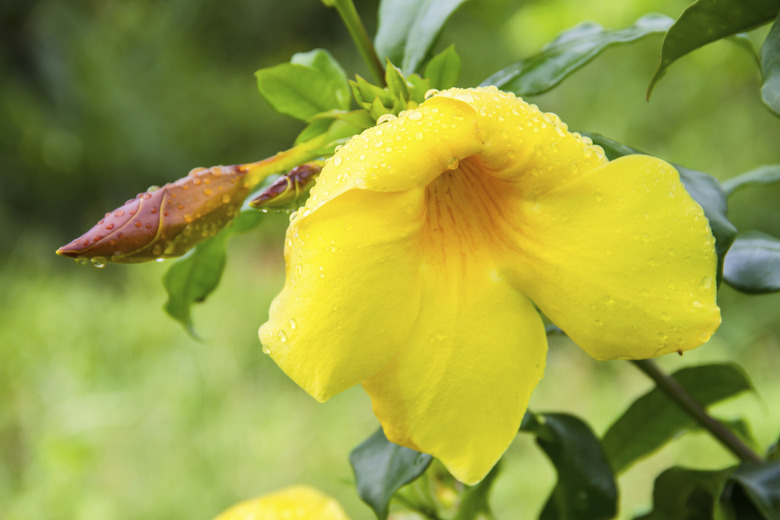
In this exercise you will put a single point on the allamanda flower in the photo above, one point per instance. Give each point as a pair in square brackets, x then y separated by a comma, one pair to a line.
[416, 265]
[291, 503]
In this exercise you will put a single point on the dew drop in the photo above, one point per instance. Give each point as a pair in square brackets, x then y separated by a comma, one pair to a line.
[207, 191]
[432, 92]
[282, 336]
[414, 115]
[98, 262]
[337, 160]
[292, 324]
[452, 163]
[385, 118]
[81, 260]
[360, 183]
[266, 350]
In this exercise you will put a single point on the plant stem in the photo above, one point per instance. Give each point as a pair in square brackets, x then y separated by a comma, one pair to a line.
[349, 15]
[692, 407]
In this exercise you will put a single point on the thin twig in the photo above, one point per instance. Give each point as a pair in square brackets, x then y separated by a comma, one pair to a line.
[692, 407]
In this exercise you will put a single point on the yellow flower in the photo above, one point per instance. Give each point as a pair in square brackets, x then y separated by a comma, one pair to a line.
[292, 503]
[416, 265]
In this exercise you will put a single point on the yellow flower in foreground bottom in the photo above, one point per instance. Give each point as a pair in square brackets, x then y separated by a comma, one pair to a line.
[292, 503]
[413, 266]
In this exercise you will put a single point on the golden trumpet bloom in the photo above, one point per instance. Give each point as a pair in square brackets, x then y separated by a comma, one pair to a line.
[292, 503]
[418, 263]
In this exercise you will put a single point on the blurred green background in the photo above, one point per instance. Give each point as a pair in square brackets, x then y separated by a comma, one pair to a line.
[109, 410]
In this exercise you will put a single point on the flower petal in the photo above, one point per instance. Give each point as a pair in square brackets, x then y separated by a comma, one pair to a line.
[461, 383]
[292, 503]
[622, 259]
[351, 293]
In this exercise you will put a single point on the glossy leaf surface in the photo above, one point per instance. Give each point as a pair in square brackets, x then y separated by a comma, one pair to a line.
[408, 29]
[770, 65]
[381, 468]
[569, 52]
[653, 419]
[763, 175]
[706, 21]
[192, 278]
[586, 488]
[753, 263]
[313, 83]
[686, 494]
[761, 484]
[443, 70]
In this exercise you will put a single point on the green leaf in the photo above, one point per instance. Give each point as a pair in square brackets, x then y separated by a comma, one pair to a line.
[191, 278]
[753, 263]
[302, 91]
[443, 70]
[586, 488]
[704, 189]
[396, 83]
[382, 468]
[687, 494]
[770, 65]
[324, 122]
[475, 499]
[569, 52]
[366, 94]
[323, 61]
[761, 483]
[653, 420]
[408, 29]
[763, 175]
[706, 21]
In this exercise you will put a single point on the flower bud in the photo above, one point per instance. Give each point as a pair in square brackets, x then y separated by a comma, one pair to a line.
[165, 222]
[289, 190]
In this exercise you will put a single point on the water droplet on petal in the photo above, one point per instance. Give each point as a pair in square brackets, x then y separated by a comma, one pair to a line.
[266, 350]
[337, 160]
[414, 115]
[81, 260]
[293, 324]
[385, 118]
[98, 262]
[452, 163]
[282, 336]
[432, 92]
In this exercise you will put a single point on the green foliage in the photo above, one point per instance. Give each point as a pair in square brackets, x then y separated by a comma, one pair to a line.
[475, 499]
[686, 494]
[569, 52]
[753, 263]
[653, 419]
[770, 65]
[706, 21]
[444, 69]
[761, 485]
[312, 83]
[586, 488]
[409, 28]
[193, 277]
[761, 176]
[382, 468]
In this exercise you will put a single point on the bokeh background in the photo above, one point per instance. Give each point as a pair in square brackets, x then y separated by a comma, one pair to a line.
[108, 409]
